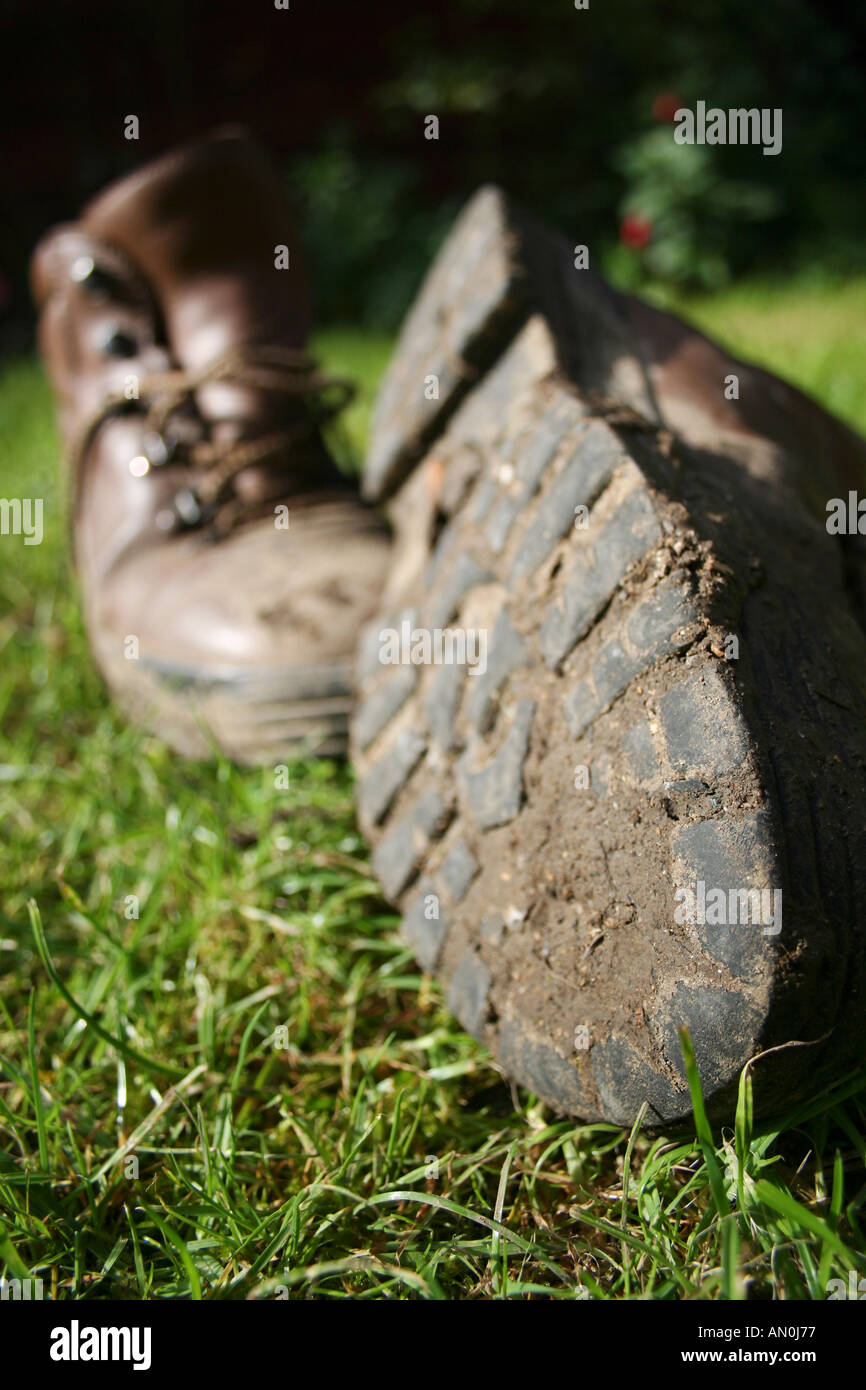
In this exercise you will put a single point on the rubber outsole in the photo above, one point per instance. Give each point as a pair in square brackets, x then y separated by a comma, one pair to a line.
[252, 717]
[669, 723]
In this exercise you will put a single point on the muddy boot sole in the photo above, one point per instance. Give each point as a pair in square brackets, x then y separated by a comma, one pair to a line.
[635, 804]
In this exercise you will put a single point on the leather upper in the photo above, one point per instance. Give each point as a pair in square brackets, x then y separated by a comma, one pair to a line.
[167, 271]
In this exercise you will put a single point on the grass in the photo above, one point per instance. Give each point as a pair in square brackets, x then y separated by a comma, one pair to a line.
[223, 1076]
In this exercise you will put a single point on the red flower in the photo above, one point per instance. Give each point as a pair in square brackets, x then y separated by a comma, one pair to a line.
[635, 232]
[666, 106]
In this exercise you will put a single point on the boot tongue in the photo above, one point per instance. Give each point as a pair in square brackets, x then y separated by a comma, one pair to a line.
[204, 225]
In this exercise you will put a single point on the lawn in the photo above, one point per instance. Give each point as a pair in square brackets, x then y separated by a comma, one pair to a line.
[223, 1076]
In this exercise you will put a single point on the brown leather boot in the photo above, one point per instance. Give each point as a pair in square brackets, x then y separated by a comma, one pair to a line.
[613, 710]
[226, 565]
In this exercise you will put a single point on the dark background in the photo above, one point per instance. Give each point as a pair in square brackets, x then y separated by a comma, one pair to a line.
[569, 109]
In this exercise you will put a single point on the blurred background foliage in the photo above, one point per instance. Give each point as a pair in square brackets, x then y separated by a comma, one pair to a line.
[570, 109]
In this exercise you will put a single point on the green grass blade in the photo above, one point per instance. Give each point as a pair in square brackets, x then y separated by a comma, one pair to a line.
[147, 1063]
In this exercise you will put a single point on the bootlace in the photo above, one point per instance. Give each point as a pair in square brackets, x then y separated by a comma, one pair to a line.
[172, 436]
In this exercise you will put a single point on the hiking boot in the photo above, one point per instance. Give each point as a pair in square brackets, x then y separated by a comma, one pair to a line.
[225, 562]
[611, 741]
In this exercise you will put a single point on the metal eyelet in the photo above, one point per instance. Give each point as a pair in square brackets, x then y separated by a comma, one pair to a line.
[81, 268]
[188, 507]
[160, 448]
[90, 277]
[120, 344]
